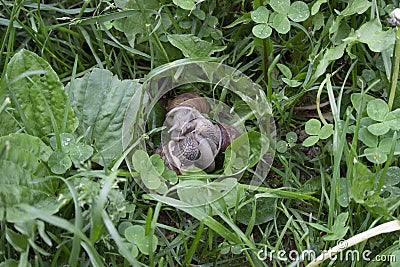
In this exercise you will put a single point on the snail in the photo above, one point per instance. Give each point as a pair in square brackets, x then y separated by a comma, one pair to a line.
[193, 140]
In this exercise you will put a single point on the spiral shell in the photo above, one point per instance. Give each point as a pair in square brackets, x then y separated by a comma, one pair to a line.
[194, 140]
[190, 100]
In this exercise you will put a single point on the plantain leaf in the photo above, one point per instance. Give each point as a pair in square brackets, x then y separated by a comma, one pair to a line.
[193, 46]
[185, 4]
[100, 100]
[23, 169]
[37, 94]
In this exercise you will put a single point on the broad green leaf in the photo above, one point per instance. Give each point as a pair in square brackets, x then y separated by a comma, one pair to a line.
[23, 170]
[132, 4]
[157, 163]
[134, 233]
[144, 244]
[67, 141]
[343, 197]
[386, 203]
[100, 100]
[386, 144]
[392, 119]
[291, 83]
[280, 6]
[375, 155]
[281, 146]
[212, 21]
[198, 192]
[243, 19]
[39, 93]
[18, 241]
[338, 230]
[132, 248]
[356, 99]
[368, 75]
[320, 227]
[185, 4]
[281, 23]
[262, 31]
[259, 144]
[237, 249]
[170, 176]
[237, 155]
[355, 6]
[396, 259]
[310, 141]
[234, 196]
[313, 127]
[379, 129]
[367, 137]
[193, 46]
[330, 55]
[316, 6]
[245, 151]
[260, 15]
[285, 70]
[363, 182]
[8, 122]
[200, 14]
[265, 211]
[377, 109]
[326, 131]
[9, 263]
[224, 248]
[148, 174]
[59, 162]
[299, 11]
[372, 34]
[131, 27]
[80, 152]
[291, 138]
[140, 161]
[392, 176]
[318, 21]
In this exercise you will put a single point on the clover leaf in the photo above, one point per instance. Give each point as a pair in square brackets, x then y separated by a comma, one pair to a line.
[279, 19]
[135, 234]
[316, 132]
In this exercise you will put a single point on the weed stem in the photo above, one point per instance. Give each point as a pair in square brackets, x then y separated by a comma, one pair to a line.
[395, 74]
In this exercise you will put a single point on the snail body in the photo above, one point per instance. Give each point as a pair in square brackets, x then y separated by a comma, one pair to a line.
[193, 140]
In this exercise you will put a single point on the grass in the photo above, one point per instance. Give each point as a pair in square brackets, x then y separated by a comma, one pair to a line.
[301, 206]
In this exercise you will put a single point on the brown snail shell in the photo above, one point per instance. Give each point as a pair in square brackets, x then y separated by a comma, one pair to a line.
[194, 140]
[190, 100]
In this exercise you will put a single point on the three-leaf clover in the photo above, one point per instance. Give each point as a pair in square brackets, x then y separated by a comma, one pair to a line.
[376, 129]
[137, 238]
[316, 132]
[282, 145]
[152, 171]
[71, 151]
[279, 19]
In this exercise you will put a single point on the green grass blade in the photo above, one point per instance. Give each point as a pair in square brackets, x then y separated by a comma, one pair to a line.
[66, 225]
